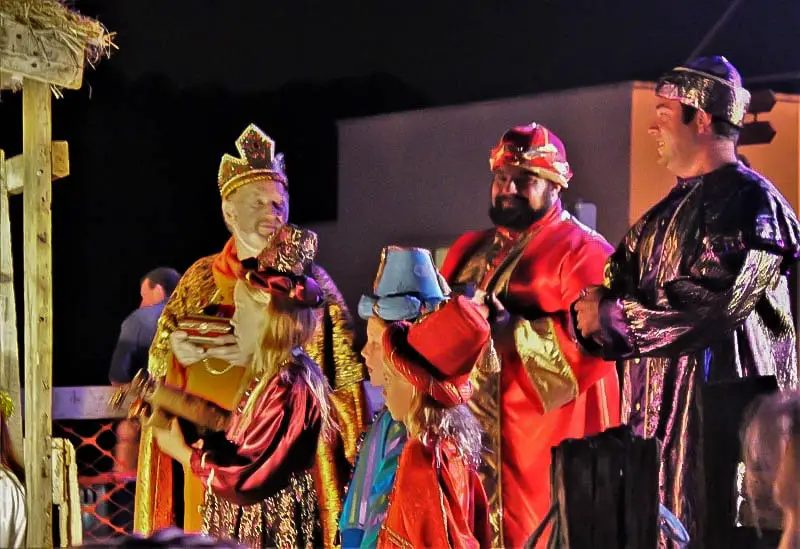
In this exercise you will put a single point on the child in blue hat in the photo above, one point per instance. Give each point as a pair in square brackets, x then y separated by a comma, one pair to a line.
[406, 286]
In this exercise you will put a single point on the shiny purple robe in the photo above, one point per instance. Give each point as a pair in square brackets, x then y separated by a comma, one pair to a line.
[697, 293]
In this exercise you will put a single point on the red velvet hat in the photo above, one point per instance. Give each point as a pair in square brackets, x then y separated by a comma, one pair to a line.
[437, 353]
[536, 149]
[283, 268]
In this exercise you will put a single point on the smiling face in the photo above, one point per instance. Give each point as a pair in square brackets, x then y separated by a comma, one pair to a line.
[254, 211]
[679, 144]
[519, 197]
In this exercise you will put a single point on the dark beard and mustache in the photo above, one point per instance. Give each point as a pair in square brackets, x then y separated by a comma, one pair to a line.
[515, 213]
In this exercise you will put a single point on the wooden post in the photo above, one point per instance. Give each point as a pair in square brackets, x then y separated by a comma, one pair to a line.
[36, 144]
[9, 348]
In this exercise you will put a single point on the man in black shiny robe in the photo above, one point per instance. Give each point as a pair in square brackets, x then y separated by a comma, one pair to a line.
[697, 291]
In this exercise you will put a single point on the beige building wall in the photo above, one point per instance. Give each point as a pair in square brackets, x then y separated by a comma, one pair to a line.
[422, 177]
[779, 160]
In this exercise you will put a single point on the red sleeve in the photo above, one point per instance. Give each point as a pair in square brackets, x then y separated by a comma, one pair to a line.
[280, 439]
[458, 251]
[556, 370]
[583, 268]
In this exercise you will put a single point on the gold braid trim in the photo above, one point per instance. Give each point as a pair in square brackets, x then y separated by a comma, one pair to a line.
[332, 349]
[154, 497]
[547, 368]
[154, 493]
[329, 492]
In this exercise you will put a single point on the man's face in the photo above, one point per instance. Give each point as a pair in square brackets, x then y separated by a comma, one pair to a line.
[254, 211]
[676, 143]
[152, 293]
[520, 198]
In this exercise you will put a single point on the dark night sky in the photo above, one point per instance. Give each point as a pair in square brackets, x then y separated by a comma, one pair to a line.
[190, 74]
[452, 51]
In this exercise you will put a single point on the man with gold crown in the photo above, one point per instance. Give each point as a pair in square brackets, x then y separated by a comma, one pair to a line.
[195, 350]
[529, 269]
[696, 295]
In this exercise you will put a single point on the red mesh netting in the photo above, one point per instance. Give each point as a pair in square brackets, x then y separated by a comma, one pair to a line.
[105, 474]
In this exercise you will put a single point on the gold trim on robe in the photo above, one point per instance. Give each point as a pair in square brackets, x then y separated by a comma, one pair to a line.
[331, 348]
[544, 362]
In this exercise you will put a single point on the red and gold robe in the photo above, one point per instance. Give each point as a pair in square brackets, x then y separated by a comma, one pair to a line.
[260, 487]
[437, 501]
[548, 390]
[210, 281]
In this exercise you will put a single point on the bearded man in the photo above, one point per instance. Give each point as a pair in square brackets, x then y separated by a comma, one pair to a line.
[255, 202]
[530, 267]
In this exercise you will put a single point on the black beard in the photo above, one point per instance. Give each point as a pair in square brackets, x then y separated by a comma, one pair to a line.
[514, 213]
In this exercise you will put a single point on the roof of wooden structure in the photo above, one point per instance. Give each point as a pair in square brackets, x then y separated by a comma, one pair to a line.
[46, 41]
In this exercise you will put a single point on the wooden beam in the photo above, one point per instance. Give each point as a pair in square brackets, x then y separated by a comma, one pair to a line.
[37, 229]
[38, 56]
[15, 167]
[9, 348]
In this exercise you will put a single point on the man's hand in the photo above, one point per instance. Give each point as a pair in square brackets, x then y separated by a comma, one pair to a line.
[499, 318]
[587, 309]
[227, 348]
[186, 352]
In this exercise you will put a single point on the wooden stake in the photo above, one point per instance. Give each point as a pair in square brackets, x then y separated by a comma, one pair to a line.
[36, 148]
[9, 348]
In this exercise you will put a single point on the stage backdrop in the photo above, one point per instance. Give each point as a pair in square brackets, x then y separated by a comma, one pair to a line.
[422, 177]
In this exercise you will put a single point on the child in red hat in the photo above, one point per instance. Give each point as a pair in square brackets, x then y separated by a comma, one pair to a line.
[437, 499]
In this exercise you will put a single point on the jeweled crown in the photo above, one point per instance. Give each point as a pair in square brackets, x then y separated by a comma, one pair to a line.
[257, 161]
[291, 250]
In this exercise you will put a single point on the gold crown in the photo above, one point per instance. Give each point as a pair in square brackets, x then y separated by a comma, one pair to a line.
[257, 161]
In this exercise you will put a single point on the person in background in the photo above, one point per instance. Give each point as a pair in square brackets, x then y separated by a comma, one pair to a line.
[138, 330]
[131, 353]
[771, 444]
[13, 516]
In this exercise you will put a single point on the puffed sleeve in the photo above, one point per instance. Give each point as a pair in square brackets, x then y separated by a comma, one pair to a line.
[279, 439]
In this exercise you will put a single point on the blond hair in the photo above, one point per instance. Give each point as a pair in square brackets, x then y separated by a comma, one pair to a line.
[287, 329]
[771, 427]
[431, 422]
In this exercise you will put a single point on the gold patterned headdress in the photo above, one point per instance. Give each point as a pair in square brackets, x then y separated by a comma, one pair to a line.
[6, 405]
[257, 161]
[710, 84]
[290, 250]
[284, 267]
